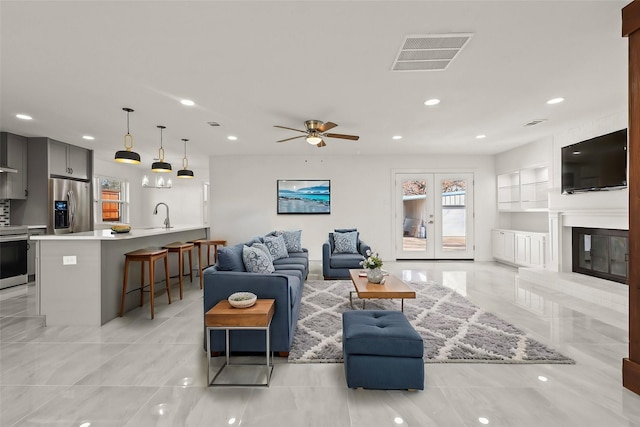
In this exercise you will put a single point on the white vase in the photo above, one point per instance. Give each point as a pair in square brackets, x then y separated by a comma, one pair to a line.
[374, 275]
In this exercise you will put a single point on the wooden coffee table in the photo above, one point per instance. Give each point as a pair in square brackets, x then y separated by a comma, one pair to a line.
[224, 316]
[391, 288]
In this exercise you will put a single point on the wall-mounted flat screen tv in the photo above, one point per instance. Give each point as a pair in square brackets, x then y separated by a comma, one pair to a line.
[598, 163]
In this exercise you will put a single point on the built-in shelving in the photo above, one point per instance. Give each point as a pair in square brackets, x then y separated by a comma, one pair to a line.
[524, 190]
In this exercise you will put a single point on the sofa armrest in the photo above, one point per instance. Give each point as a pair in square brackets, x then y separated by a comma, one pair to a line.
[326, 258]
[363, 248]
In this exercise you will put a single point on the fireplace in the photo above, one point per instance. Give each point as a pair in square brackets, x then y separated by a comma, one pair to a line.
[600, 252]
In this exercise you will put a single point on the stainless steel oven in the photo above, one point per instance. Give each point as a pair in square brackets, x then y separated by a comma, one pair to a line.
[13, 256]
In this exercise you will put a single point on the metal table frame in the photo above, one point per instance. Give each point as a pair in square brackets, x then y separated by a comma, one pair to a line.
[269, 354]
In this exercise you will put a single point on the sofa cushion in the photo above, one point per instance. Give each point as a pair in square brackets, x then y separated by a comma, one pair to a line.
[346, 261]
[297, 274]
[345, 243]
[342, 230]
[230, 258]
[292, 240]
[276, 247]
[256, 260]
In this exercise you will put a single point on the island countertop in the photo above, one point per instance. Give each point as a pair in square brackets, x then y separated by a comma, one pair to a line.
[107, 234]
[79, 276]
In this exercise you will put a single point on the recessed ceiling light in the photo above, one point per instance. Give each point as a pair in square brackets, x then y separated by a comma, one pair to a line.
[542, 378]
[24, 117]
[483, 420]
[187, 102]
[431, 102]
[555, 101]
[396, 137]
[232, 138]
[481, 136]
[89, 137]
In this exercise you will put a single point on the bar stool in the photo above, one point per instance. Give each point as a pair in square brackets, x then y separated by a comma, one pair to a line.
[199, 243]
[150, 255]
[180, 248]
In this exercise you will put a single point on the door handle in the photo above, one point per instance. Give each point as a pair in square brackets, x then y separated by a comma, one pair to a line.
[430, 222]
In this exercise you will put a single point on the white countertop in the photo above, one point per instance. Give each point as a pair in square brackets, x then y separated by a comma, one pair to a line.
[108, 235]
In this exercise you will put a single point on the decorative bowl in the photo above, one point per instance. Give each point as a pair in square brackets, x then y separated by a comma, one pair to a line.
[242, 299]
[121, 228]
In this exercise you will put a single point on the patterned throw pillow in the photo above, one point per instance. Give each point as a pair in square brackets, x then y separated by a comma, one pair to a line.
[345, 243]
[256, 261]
[276, 246]
[263, 248]
[292, 240]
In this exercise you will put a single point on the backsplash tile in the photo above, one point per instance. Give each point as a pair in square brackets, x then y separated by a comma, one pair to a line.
[5, 216]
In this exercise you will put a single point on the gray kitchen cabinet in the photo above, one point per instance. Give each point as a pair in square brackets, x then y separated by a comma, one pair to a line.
[68, 160]
[13, 153]
[31, 251]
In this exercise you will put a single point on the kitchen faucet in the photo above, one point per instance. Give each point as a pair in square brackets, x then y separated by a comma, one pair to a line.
[167, 223]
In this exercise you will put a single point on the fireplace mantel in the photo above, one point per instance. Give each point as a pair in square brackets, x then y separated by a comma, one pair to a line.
[561, 221]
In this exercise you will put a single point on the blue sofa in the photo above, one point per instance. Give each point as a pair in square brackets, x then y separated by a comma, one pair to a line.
[285, 285]
[337, 265]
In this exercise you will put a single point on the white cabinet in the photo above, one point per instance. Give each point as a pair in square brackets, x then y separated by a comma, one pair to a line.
[502, 244]
[13, 153]
[520, 248]
[523, 190]
[68, 160]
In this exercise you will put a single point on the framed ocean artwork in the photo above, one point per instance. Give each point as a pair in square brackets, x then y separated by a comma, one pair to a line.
[309, 196]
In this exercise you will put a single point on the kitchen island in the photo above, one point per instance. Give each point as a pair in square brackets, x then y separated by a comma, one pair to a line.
[79, 275]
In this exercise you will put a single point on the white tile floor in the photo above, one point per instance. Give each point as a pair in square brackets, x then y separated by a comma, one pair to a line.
[135, 371]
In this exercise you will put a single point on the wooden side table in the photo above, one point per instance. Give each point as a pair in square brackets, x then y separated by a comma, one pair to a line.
[223, 316]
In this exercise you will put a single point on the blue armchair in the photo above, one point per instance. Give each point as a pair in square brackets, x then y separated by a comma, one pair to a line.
[335, 264]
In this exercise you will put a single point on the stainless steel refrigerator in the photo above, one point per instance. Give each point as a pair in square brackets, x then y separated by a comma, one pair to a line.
[70, 206]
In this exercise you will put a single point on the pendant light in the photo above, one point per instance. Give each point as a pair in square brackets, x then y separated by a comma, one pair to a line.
[185, 172]
[126, 155]
[161, 165]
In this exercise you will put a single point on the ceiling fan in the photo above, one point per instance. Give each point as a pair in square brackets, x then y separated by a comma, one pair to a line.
[316, 131]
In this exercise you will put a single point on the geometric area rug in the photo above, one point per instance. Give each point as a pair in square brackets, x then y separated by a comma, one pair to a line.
[453, 329]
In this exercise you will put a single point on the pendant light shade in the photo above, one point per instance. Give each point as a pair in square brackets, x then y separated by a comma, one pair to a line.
[126, 155]
[161, 165]
[185, 172]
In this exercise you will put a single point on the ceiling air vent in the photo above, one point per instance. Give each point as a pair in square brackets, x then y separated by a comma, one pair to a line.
[213, 124]
[429, 52]
[535, 122]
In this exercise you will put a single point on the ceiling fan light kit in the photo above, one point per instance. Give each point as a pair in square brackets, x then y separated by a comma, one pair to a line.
[126, 155]
[161, 165]
[316, 131]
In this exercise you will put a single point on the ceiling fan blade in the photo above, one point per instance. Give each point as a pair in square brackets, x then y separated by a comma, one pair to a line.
[284, 127]
[326, 126]
[341, 136]
[289, 139]
[321, 144]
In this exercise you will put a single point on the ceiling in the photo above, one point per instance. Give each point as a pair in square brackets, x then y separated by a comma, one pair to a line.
[249, 65]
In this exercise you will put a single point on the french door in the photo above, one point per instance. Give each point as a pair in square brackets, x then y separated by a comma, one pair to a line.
[434, 216]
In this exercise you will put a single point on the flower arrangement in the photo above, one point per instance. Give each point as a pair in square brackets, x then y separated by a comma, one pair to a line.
[372, 260]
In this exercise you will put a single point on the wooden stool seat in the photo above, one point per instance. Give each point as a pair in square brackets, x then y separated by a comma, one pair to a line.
[150, 255]
[180, 248]
[199, 243]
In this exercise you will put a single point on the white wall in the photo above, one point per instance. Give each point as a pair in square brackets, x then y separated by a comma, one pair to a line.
[185, 198]
[244, 199]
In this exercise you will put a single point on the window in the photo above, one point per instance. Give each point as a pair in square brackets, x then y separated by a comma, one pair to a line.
[113, 200]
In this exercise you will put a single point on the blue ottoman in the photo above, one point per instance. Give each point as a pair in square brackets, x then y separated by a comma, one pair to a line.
[381, 351]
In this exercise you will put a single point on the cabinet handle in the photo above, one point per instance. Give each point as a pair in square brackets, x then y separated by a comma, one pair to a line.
[26, 193]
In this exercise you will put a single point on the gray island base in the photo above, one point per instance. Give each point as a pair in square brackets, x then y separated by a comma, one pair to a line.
[79, 276]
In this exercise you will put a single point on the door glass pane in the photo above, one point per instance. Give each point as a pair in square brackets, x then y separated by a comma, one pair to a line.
[414, 202]
[454, 215]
